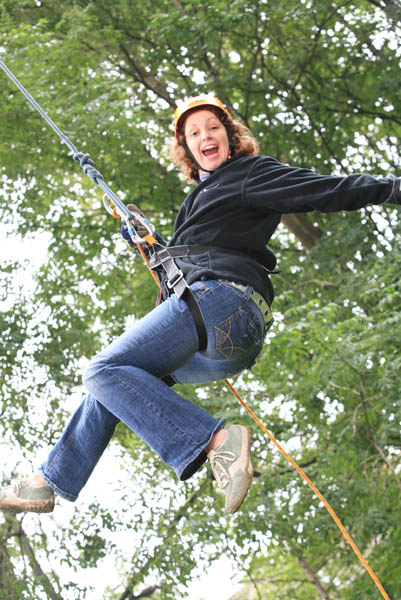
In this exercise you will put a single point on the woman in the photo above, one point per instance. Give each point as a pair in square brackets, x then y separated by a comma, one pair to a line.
[213, 318]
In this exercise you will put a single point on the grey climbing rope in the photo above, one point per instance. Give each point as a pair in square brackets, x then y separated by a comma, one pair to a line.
[86, 163]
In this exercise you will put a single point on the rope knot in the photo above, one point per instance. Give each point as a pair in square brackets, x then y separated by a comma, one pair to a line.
[87, 165]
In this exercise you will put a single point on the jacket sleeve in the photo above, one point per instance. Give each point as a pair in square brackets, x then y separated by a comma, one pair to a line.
[274, 187]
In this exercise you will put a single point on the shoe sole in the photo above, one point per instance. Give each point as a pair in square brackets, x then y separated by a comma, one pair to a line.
[17, 506]
[248, 470]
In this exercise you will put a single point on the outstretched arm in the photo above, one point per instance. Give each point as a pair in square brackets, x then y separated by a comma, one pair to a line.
[274, 187]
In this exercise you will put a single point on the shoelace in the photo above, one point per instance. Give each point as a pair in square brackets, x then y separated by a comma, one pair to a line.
[218, 469]
[18, 486]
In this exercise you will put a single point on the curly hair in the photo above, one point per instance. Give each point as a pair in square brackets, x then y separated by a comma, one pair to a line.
[243, 144]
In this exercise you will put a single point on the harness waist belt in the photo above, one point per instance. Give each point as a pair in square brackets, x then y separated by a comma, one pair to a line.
[194, 249]
[187, 250]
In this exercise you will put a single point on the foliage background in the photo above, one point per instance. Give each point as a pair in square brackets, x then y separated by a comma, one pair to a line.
[318, 83]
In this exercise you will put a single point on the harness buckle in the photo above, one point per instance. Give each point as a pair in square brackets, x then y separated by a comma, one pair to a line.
[162, 255]
[175, 279]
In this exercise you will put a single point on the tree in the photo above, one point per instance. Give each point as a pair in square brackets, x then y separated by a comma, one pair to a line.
[317, 82]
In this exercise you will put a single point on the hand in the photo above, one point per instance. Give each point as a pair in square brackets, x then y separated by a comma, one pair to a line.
[139, 227]
[395, 196]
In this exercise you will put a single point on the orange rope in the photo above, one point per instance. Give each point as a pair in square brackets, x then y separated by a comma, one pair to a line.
[314, 489]
[146, 261]
[294, 464]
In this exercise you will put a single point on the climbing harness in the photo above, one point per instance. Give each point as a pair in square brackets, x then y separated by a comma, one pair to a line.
[164, 257]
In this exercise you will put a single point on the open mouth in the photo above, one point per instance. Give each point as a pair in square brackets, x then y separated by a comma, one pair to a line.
[210, 150]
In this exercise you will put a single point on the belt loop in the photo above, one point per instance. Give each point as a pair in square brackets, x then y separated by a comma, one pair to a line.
[248, 292]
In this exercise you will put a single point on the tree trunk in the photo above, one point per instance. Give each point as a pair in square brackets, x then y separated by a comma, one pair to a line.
[301, 226]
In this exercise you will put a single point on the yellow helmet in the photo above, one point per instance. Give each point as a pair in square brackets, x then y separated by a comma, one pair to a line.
[196, 101]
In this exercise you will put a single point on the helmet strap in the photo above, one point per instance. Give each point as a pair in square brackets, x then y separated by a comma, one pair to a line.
[192, 157]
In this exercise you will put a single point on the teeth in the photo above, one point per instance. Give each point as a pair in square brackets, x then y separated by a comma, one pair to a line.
[209, 148]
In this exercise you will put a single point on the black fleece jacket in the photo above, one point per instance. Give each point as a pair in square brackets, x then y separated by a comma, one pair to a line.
[236, 210]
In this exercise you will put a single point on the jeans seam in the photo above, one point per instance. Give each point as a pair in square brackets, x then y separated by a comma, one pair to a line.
[69, 441]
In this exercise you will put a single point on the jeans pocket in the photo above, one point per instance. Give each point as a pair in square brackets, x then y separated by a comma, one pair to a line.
[239, 334]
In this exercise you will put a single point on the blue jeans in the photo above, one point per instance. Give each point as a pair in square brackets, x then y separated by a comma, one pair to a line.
[124, 383]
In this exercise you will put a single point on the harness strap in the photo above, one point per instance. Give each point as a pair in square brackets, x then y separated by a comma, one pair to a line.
[193, 306]
[192, 250]
[187, 250]
[177, 284]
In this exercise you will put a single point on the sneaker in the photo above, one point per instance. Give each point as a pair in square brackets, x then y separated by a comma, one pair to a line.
[231, 466]
[23, 497]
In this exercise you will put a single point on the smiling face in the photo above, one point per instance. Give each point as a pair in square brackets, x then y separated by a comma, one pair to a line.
[207, 139]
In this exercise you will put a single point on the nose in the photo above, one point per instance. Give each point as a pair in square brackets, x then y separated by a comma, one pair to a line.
[205, 134]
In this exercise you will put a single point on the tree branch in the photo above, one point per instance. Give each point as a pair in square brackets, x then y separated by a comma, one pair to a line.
[37, 570]
[147, 78]
[313, 578]
[146, 593]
